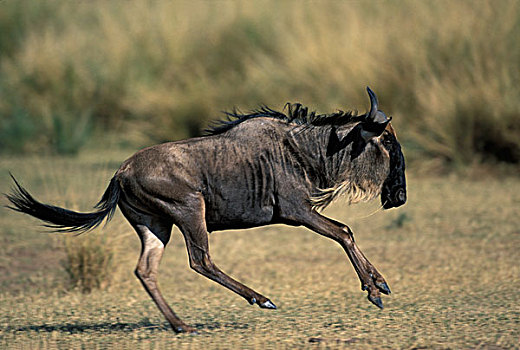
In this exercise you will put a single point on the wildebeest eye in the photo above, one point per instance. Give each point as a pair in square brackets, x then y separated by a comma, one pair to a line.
[387, 141]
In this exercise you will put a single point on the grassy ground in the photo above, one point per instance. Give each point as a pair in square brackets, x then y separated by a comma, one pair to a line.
[450, 256]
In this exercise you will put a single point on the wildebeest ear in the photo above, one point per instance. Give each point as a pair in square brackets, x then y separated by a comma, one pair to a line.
[369, 130]
[375, 121]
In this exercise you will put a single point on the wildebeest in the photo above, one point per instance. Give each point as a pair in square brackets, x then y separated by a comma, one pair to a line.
[254, 169]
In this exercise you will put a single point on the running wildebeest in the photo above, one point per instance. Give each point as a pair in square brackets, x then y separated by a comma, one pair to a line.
[256, 169]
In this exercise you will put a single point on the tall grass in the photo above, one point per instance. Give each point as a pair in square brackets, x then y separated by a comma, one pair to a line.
[153, 71]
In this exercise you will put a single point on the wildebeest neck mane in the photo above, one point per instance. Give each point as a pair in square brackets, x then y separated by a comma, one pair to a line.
[296, 114]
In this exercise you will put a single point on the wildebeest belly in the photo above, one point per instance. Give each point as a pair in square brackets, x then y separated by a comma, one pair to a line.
[235, 208]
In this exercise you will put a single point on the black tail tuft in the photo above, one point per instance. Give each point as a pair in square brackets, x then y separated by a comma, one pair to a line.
[64, 220]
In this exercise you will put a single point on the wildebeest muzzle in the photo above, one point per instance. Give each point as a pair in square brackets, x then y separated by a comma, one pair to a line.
[395, 197]
[393, 193]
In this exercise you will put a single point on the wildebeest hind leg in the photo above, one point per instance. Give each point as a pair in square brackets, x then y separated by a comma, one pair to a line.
[193, 227]
[146, 271]
[154, 234]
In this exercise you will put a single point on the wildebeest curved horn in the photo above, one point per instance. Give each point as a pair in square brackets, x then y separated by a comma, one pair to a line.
[375, 121]
[375, 115]
[373, 104]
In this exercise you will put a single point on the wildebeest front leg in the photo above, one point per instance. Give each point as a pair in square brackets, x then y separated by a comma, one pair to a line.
[193, 227]
[371, 280]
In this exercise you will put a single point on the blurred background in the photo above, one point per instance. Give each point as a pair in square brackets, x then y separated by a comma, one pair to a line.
[78, 76]
[84, 84]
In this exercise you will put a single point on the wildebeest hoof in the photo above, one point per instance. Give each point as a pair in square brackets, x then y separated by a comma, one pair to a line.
[383, 287]
[185, 329]
[268, 304]
[376, 301]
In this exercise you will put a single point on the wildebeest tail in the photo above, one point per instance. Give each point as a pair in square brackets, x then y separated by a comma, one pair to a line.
[64, 220]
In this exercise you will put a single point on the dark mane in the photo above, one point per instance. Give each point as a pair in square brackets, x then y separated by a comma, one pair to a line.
[296, 114]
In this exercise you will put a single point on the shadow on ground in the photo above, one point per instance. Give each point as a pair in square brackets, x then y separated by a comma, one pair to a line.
[107, 327]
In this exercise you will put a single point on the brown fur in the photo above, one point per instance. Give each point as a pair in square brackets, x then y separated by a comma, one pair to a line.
[264, 168]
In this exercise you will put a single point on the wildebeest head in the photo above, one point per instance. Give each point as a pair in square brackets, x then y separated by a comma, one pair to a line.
[377, 124]
[375, 156]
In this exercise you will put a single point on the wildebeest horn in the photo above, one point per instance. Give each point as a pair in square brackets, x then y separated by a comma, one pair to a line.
[376, 121]
[373, 104]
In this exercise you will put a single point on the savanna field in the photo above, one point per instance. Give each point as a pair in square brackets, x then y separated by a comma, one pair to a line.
[84, 85]
[450, 256]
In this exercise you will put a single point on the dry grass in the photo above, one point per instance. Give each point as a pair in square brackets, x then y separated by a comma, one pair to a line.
[450, 256]
[447, 70]
[89, 262]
